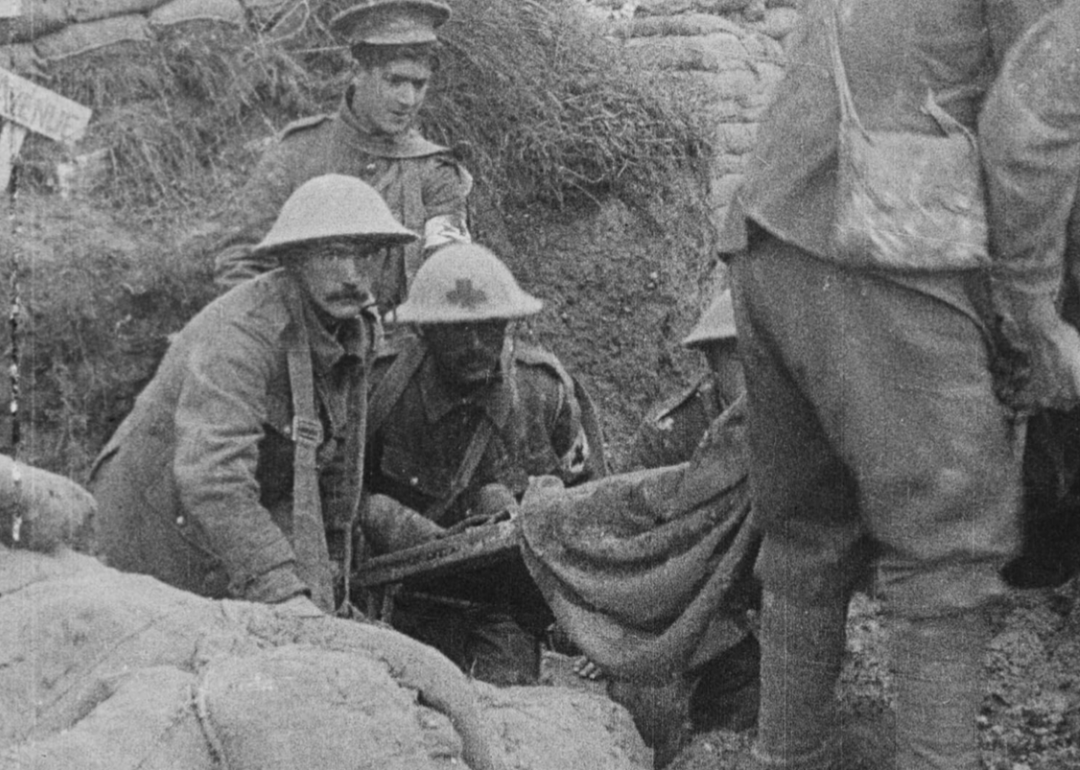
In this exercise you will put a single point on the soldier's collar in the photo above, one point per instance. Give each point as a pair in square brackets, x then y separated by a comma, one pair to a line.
[328, 348]
[495, 398]
[409, 145]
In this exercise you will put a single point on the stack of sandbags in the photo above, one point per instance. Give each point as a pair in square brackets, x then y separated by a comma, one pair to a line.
[100, 669]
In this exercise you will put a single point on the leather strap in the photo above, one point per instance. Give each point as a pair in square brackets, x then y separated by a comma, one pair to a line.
[309, 531]
[469, 463]
[393, 384]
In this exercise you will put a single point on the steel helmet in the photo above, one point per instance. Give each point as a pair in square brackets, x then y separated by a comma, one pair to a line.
[390, 22]
[335, 206]
[715, 324]
[464, 282]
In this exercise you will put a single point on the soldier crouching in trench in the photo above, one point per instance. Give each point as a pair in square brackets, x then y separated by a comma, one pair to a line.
[241, 458]
[462, 415]
[672, 430]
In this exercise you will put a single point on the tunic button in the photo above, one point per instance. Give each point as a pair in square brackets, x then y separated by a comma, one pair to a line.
[414, 481]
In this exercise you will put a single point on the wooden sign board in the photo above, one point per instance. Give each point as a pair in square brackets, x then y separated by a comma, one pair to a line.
[26, 106]
[41, 110]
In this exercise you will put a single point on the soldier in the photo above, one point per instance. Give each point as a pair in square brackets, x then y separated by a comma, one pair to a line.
[671, 432]
[462, 416]
[876, 437]
[242, 455]
[372, 137]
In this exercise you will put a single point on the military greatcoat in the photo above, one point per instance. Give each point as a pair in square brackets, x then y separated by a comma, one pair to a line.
[196, 485]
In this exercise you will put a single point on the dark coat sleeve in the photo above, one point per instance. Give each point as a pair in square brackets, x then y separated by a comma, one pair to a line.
[219, 422]
[1029, 134]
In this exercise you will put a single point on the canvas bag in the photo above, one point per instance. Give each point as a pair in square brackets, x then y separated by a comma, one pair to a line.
[905, 201]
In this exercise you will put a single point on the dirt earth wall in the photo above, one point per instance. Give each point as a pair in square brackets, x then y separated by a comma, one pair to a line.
[623, 286]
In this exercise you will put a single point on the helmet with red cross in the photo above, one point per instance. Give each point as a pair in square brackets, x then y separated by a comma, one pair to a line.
[465, 282]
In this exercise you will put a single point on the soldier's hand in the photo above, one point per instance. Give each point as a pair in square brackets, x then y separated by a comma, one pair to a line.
[587, 669]
[1054, 376]
[300, 606]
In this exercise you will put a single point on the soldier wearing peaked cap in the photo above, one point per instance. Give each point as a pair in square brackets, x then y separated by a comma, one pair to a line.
[373, 136]
[673, 429]
[236, 473]
[461, 417]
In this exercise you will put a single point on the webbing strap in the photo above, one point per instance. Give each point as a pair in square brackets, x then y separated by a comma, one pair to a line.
[309, 532]
[469, 463]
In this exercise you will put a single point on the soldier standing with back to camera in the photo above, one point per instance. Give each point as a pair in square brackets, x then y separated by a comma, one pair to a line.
[876, 436]
[373, 136]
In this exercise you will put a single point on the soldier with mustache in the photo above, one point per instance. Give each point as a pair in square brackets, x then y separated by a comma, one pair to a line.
[236, 473]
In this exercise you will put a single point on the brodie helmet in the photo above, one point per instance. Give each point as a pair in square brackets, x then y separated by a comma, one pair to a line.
[335, 206]
[465, 282]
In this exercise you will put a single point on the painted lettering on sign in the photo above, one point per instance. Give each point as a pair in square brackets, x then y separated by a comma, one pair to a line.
[41, 110]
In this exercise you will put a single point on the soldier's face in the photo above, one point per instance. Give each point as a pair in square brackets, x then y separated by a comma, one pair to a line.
[466, 354]
[388, 97]
[336, 276]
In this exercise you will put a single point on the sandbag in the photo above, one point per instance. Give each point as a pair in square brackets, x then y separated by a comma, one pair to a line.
[51, 510]
[177, 12]
[144, 722]
[43, 17]
[77, 39]
[353, 714]
[84, 647]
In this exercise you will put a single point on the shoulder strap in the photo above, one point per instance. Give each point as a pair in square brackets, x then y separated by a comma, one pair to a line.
[469, 463]
[309, 533]
[304, 123]
[388, 392]
[843, 90]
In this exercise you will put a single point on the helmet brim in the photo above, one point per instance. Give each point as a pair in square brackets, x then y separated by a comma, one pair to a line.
[379, 241]
[408, 312]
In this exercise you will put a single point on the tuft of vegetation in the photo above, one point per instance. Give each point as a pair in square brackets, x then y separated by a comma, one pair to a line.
[543, 106]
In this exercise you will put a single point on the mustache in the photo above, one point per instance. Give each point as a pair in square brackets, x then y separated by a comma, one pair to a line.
[350, 295]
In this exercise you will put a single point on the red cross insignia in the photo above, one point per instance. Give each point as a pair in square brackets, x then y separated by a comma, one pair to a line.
[465, 295]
